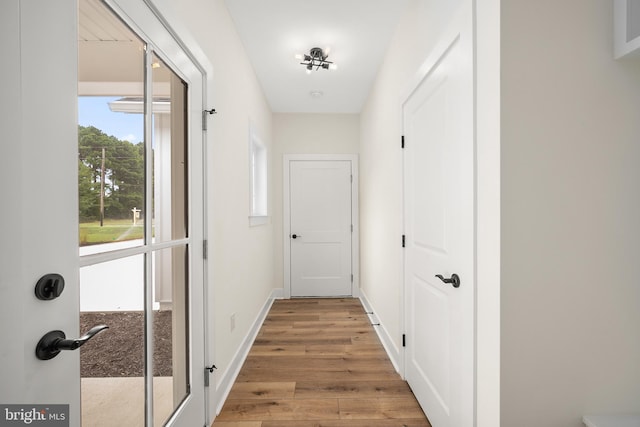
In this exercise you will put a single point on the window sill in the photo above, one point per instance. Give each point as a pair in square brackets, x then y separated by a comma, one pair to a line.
[258, 220]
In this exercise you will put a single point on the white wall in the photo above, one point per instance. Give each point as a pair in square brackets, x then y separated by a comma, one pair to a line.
[306, 134]
[570, 213]
[241, 270]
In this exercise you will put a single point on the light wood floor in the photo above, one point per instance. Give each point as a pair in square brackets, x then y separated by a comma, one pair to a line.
[319, 363]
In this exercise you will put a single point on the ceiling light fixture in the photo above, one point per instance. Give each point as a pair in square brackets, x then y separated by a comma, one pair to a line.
[316, 58]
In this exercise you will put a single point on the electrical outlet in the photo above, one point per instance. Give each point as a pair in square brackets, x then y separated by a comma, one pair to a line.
[232, 321]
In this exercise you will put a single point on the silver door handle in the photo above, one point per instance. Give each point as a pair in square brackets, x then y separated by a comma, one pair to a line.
[53, 342]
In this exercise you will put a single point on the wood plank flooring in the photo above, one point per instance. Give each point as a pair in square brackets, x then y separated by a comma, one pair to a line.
[319, 363]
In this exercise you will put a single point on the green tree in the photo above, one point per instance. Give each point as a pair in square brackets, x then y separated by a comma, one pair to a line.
[89, 195]
[124, 174]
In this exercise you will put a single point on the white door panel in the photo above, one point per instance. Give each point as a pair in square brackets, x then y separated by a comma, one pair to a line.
[320, 218]
[431, 308]
[439, 226]
[39, 134]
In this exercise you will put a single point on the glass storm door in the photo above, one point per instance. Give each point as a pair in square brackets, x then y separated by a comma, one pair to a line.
[140, 222]
[118, 215]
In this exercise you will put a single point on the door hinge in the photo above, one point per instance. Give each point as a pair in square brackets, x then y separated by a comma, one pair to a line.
[352, 228]
[207, 371]
[402, 142]
[205, 249]
[404, 340]
[204, 117]
[351, 179]
[403, 240]
[352, 278]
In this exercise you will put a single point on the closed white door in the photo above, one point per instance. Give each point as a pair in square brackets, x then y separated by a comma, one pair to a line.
[45, 163]
[320, 228]
[439, 225]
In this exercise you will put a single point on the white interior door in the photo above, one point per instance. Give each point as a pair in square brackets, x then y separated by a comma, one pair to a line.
[439, 226]
[41, 233]
[38, 166]
[320, 227]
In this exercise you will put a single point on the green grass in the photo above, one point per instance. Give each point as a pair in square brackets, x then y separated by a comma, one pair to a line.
[112, 231]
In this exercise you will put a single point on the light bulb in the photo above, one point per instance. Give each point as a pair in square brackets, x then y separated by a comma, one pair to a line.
[333, 66]
[299, 56]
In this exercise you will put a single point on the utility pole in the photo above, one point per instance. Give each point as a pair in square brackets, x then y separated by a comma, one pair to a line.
[102, 190]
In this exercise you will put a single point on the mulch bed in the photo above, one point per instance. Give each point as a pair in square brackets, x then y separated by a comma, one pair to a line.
[119, 350]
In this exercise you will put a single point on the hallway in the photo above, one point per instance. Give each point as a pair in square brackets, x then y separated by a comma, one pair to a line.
[319, 363]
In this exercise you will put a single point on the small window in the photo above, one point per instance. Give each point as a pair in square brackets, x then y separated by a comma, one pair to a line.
[258, 164]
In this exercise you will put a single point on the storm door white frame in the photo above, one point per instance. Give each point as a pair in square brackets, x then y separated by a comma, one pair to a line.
[153, 29]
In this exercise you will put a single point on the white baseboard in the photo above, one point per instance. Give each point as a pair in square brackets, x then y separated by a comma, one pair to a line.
[277, 293]
[228, 378]
[394, 353]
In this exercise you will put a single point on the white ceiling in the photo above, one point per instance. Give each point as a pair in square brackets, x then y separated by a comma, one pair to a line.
[108, 51]
[356, 31]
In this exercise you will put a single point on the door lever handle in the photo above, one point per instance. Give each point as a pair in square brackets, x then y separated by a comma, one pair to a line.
[53, 342]
[295, 236]
[454, 280]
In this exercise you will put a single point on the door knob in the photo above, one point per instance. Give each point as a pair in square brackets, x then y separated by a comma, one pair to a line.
[55, 341]
[295, 236]
[454, 280]
[49, 287]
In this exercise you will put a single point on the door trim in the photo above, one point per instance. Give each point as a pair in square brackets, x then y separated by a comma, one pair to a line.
[355, 216]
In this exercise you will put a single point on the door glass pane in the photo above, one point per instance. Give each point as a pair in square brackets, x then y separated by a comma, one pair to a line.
[115, 157]
[110, 130]
[170, 322]
[111, 190]
[112, 363]
[169, 153]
